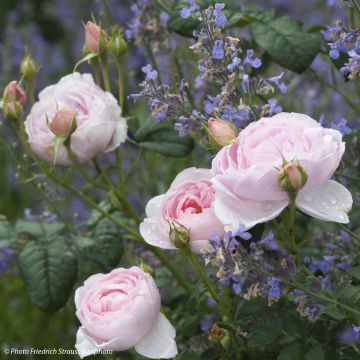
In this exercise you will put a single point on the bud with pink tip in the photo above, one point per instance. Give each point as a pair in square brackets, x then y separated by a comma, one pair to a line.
[14, 91]
[64, 122]
[29, 68]
[93, 37]
[13, 110]
[221, 132]
[292, 177]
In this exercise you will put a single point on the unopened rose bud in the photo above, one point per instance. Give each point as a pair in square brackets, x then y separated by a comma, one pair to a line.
[29, 68]
[117, 45]
[179, 235]
[64, 122]
[13, 91]
[13, 110]
[292, 177]
[95, 38]
[221, 132]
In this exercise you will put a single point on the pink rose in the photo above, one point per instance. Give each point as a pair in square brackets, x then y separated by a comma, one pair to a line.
[245, 174]
[121, 310]
[100, 127]
[188, 202]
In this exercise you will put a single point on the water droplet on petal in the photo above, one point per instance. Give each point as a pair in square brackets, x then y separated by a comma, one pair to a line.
[333, 201]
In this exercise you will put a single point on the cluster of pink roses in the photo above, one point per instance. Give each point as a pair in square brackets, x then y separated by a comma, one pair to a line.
[248, 184]
[242, 187]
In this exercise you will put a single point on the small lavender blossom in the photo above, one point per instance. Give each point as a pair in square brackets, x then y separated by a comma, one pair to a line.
[220, 18]
[255, 63]
[207, 322]
[343, 40]
[187, 11]
[342, 126]
[352, 67]
[274, 291]
[234, 64]
[7, 254]
[242, 233]
[356, 332]
[218, 51]
[270, 241]
[151, 74]
[276, 81]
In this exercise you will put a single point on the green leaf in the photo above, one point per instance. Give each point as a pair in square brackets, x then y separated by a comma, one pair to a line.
[335, 312]
[49, 273]
[287, 43]
[263, 336]
[167, 142]
[37, 229]
[103, 245]
[354, 272]
[7, 233]
[291, 351]
[187, 355]
[315, 352]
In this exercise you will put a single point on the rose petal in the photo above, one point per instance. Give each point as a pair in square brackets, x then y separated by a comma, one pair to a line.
[154, 233]
[233, 211]
[191, 174]
[330, 201]
[153, 207]
[159, 342]
[85, 345]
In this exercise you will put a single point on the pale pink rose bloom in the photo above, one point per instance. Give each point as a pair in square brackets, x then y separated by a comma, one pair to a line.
[189, 201]
[245, 174]
[121, 310]
[100, 127]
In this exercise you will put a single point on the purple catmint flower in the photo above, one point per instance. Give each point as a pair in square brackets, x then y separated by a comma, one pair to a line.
[270, 241]
[218, 51]
[207, 322]
[276, 81]
[274, 291]
[151, 74]
[187, 11]
[220, 18]
[342, 126]
[234, 64]
[242, 233]
[255, 63]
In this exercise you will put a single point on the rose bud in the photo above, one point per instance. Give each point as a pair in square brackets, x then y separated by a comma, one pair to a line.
[221, 132]
[117, 45]
[94, 37]
[292, 177]
[13, 91]
[179, 235]
[29, 68]
[64, 122]
[13, 110]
